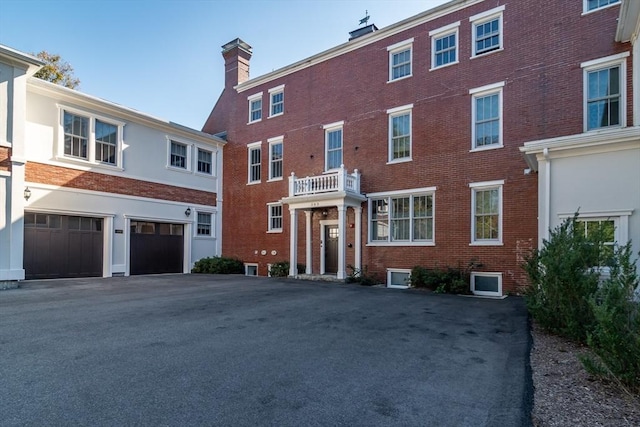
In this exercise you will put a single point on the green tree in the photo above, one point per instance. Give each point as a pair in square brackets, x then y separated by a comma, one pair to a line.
[56, 70]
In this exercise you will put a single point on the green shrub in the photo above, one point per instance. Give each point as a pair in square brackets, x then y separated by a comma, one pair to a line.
[361, 276]
[563, 278]
[615, 337]
[450, 280]
[218, 265]
[281, 269]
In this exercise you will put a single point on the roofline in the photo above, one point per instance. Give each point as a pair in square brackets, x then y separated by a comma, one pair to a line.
[357, 43]
[627, 25]
[30, 62]
[70, 95]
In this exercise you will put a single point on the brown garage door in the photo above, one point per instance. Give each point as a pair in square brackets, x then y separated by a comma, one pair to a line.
[58, 246]
[156, 247]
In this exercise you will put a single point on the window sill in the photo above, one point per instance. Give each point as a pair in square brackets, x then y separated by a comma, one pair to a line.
[487, 243]
[255, 121]
[87, 164]
[388, 244]
[275, 115]
[199, 237]
[588, 12]
[444, 66]
[253, 182]
[486, 148]
[481, 55]
[403, 160]
[274, 231]
[275, 179]
[605, 128]
[176, 169]
[400, 78]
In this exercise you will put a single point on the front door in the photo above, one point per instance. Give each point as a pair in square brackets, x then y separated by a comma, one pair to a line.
[331, 249]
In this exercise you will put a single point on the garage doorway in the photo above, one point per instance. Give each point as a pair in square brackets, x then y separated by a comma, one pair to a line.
[61, 246]
[156, 247]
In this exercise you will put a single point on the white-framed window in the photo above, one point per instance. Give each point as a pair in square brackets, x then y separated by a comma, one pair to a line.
[444, 45]
[402, 218]
[178, 155]
[333, 145]
[255, 107]
[487, 31]
[275, 217]
[486, 213]
[254, 162]
[276, 101]
[250, 269]
[204, 225]
[275, 158]
[591, 5]
[398, 278]
[400, 133]
[486, 284]
[90, 138]
[205, 162]
[605, 92]
[400, 58]
[486, 116]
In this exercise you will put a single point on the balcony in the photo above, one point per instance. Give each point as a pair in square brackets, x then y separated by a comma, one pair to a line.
[339, 181]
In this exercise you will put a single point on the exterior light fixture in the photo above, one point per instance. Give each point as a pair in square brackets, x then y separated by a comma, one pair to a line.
[325, 213]
[27, 194]
[188, 212]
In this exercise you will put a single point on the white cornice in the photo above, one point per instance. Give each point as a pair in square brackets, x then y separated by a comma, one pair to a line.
[582, 140]
[60, 93]
[359, 42]
[628, 20]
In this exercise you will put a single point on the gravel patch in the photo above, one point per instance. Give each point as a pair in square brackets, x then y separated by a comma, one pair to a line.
[566, 395]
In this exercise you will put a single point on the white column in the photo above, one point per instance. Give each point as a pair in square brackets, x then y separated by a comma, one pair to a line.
[341, 241]
[293, 243]
[309, 268]
[358, 240]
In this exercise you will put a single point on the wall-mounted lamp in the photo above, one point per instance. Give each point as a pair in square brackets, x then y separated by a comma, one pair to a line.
[188, 212]
[27, 194]
[325, 213]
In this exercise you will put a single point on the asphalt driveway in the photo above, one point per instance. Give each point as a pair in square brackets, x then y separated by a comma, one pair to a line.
[190, 350]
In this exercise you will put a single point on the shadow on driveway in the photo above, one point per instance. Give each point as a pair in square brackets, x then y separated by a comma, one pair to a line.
[232, 350]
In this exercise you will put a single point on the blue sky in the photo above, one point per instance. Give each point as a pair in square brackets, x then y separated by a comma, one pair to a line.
[163, 57]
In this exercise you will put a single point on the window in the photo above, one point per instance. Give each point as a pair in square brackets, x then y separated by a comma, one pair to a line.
[590, 5]
[275, 158]
[398, 278]
[277, 101]
[444, 45]
[255, 108]
[178, 156]
[400, 60]
[255, 155]
[400, 133]
[76, 136]
[106, 142]
[90, 139]
[487, 31]
[489, 284]
[333, 145]
[204, 224]
[250, 269]
[486, 213]
[605, 92]
[205, 161]
[275, 217]
[402, 217]
[487, 117]
[592, 226]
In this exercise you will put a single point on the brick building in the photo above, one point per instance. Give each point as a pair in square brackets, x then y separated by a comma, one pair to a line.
[401, 147]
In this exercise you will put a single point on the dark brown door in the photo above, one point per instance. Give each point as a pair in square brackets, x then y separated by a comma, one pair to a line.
[331, 249]
[156, 247]
[57, 246]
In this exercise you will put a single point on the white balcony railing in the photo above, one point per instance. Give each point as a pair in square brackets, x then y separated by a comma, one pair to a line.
[326, 183]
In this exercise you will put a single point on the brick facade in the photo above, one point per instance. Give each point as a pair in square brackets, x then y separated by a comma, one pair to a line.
[5, 159]
[542, 98]
[74, 178]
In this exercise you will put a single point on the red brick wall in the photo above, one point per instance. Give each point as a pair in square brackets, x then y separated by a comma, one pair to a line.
[544, 43]
[73, 178]
[5, 159]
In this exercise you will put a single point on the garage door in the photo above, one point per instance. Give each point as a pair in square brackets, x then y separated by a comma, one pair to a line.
[58, 246]
[156, 247]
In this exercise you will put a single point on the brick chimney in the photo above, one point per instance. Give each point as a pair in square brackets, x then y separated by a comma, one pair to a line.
[236, 56]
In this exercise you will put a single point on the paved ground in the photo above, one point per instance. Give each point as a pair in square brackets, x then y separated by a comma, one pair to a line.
[227, 350]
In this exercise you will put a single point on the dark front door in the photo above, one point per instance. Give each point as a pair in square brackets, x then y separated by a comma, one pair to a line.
[331, 249]
[156, 247]
[57, 246]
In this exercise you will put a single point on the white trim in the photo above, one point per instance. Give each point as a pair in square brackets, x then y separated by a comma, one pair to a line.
[440, 33]
[586, 11]
[486, 88]
[251, 99]
[400, 45]
[597, 214]
[605, 61]
[212, 224]
[272, 142]
[444, 29]
[494, 183]
[485, 274]
[279, 88]
[485, 186]
[481, 18]
[323, 224]
[333, 125]
[398, 48]
[481, 92]
[398, 109]
[618, 60]
[486, 14]
[254, 144]
[400, 192]
[188, 159]
[427, 191]
[246, 268]
[393, 113]
[272, 92]
[270, 217]
[196, 159]
[398, 270]
[250, 148]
